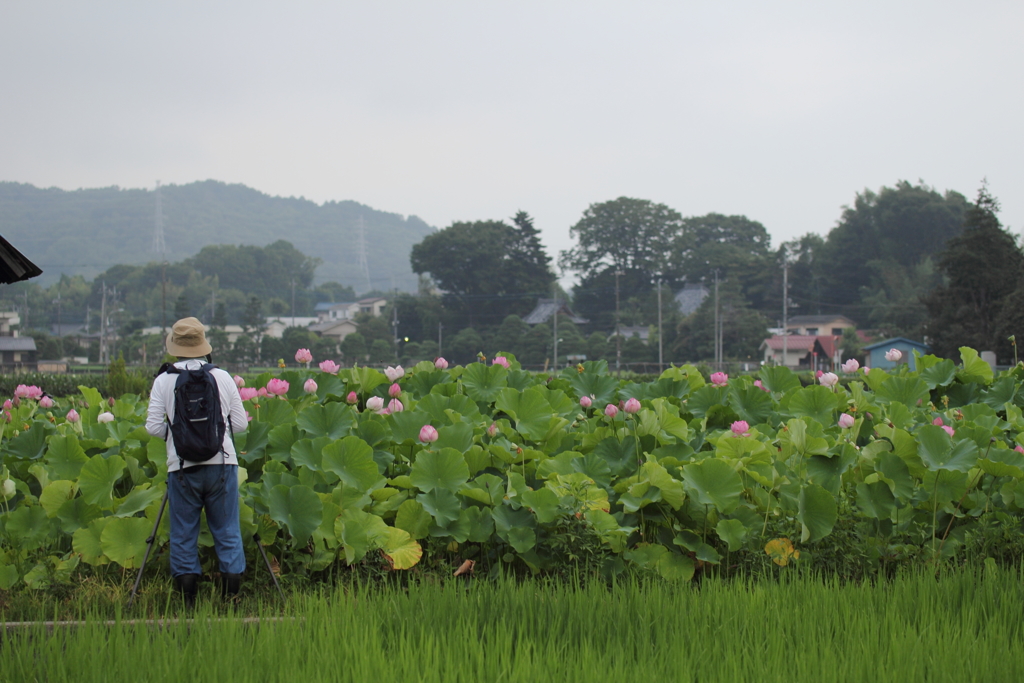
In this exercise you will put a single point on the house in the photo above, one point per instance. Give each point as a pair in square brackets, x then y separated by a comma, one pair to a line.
[335, 329]
[803, 351]
[276, 325]
[329, 310]
[815, 325]
[876, 352]
[545, 308]
[9, 320]
[18, 353]
[233, 331]
[690, 297]
[643, 332]
[374, 305]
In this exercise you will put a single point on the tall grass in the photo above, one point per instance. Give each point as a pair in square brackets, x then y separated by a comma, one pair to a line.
[959, 627]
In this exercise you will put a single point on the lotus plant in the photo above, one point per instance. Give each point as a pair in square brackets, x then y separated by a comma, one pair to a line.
[329, 366]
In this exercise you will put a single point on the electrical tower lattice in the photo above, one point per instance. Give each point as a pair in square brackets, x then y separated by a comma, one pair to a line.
[364, 265]
[158, 228]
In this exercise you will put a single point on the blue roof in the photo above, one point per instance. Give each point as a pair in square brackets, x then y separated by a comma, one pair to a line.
[889, 342]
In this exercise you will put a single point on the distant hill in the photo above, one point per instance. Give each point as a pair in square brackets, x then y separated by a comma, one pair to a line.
[87, 231]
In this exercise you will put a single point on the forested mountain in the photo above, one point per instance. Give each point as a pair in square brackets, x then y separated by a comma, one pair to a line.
[85, 232]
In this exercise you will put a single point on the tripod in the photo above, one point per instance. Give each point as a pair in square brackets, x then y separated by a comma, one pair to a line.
[152, 539]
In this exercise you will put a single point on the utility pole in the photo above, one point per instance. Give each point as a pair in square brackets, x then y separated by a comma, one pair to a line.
[60, 335]
[718, 359]
[440, 326]
[293, 302]
[213, 305]
[618, 333]
[554, 327]
[785, 305]
[394, 320]
[661, 362]
[103, 325]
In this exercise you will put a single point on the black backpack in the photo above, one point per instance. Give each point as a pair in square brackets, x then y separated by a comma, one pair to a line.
[198, 425]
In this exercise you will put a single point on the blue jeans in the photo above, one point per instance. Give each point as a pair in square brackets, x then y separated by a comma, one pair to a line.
[214, 487]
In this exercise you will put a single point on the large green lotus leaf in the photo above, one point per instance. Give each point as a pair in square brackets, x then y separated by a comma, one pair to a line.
[817, 403]
[488, 489]
[257, 436]
[98, 477]
[421, 383]
[351, 459]
[56, 494]
[939, 374]
[140, 498]
[333, 420]
[76, 513]
[414, 518]
[442, 505]
[406, 426]
[670, 423]
[8, 576]
[124, 540]
[458, 436]
[906, 390]
[359, 531]
[444, 469]
[440, 407]
[276, 411]
[671, 489]
[828, 471]
[28, 445]
[778, 378]
[366, 379]
[298, 508]
[594, 467]
[86, 542]
[750, 403]
[594, 381]
[544, 503]
[646, 555]
[975, 370]
[329, 385]
[733, 532]
[1002, 391]
[65, 456]
[27, 527]
[484, 382]
[896, 474]
[620, 456]
[523, 539]
[401, 550]
[713, 482]
[704, 399]
[944, 486]
[457, 530]
[280, 441]
[875, 500]
[1003, 462]
[939, 452]
[309, 453]
[479, 524]
[530, 410]
[818, 513]
[675, 567]
[373, 429]
[505, 519]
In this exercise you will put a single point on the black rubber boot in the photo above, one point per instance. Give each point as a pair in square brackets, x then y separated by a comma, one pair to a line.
[188, 584]
[230, 585]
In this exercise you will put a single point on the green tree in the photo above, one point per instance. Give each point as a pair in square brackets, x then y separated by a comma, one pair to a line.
[353, 348]
[181, 307]
[464, 346]
[983, 266]
[743, 329]
[382, 352]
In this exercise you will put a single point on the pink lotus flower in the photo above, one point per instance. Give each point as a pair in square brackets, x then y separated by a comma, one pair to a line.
[303, 356]
[500, 360]
[8, 405]
[239, 381]
[262, 391]
[329, 366]
[33, 392]
[352, 398]
[440, 363]
[759, 385]
[247, 393]
[846, 420]
[277, 387]
[46, 402]
[719, 379]
[818, 374]
[395, 406]
[632, 406]
[740, 428]
[493, 429]
[73, 416]
[828, 379]
[428, 434]
[394, 391]
[937, 422]
[586, 401]
[893, 355]
[310, 386]
[1019, 449]
[104, 417]
[851, 366]
[248, 417]
[949, 430]
[375, 403]
[393, 374]
[611, 410]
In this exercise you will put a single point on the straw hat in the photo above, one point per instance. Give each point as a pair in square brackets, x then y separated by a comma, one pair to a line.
[188, 339]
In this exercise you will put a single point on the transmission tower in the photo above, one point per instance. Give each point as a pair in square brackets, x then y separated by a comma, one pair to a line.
[158, 229]
[364, 265]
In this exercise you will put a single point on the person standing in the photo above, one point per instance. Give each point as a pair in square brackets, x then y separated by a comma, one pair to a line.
[209, 483]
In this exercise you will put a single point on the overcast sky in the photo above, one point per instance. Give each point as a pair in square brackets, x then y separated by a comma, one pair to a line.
[470, 110]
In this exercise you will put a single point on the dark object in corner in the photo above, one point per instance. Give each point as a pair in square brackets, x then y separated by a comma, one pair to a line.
[14, 267]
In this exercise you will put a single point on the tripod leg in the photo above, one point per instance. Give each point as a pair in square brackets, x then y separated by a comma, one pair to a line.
[149, 548]
[256, 537]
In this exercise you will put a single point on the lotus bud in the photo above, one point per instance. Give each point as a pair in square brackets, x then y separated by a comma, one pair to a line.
[277, 387]
[8, 490]
[375, 403]
[247, 393]
[393, 374]
[395, 406]
[46, 402]
[440, 363]
[394, 391]
[239, 381]
[846, 421]
[493, 430]
[1019, 449]
[828, 379]
[719, 379]
[262, 392]
[73, 416]
[303, 356]
[586, 401]
[428, 434]
[937, 422]
[893, 355]
[740, 428]
[611, 410]
[632, 406]
[103, 418]
[329, 366]
[8, 405]
[352, 398]
[309, 386]
[949, 430]
[851, 366]
[500, 360]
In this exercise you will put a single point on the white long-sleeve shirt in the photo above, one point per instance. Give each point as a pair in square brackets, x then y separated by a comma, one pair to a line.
[161, 406]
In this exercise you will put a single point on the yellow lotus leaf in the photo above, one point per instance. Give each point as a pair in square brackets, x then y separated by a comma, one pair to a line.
[781, 550]
[401, 551]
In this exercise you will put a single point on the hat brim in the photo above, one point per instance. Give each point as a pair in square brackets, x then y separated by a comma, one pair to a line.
[197, 351]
